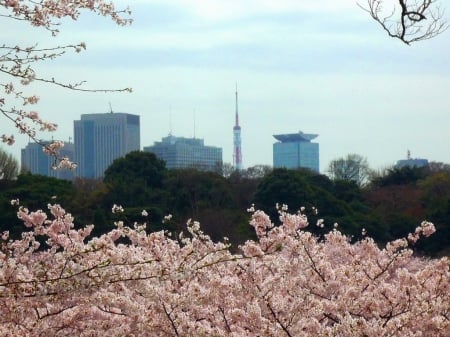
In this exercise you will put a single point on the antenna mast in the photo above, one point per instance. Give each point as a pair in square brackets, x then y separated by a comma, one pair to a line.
[170, 122]
[237, 154]
[194, 123]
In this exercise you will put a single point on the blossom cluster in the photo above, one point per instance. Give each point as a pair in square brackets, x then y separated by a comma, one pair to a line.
[44, 13]
[60, 281]
[17, 62]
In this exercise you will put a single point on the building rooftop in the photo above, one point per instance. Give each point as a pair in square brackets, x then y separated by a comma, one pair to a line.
[295, 137]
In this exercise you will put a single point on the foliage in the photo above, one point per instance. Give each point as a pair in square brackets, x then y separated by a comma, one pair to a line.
[385, 211]
[209, 198]
[136, 165]
[191, 191]
[33, 191]
[304, 189]
[286, 283]
[136, 179]
[287, 187]
[400, 176]
[244, 183]
[436, 195]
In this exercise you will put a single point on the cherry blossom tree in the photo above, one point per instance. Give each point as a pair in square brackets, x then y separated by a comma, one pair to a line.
[58, 281]
[17, 62]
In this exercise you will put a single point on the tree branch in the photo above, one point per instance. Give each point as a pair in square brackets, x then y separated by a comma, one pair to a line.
[406, 21]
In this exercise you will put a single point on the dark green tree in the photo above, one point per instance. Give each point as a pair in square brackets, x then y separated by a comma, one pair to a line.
[209, 198]
[336, 202]
[435, 192]
[34, 192]
[135, 180]
[400, 176]
[283, 186]
[190, 191]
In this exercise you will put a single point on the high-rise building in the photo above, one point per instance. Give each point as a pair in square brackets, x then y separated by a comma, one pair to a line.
[180, 152]
[36, 161]
[296, 150]
[101, 138]
[237, 153]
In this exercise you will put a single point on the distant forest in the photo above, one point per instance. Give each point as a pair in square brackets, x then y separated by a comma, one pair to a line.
[388, 206]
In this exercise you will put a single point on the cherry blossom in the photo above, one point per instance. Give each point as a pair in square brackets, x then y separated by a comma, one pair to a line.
[17, 63]
[60, 281]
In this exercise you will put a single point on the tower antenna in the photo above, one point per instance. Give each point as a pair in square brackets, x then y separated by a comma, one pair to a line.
[110, 107]
[237, 112]
[237, 154]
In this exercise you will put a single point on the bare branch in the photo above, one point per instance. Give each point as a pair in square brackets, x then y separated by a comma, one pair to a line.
[408, 20]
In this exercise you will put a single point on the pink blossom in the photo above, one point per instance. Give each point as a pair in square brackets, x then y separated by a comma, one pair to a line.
[286, 283]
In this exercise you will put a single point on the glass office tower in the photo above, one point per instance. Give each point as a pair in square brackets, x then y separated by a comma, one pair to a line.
[101, 138]
[296, 150]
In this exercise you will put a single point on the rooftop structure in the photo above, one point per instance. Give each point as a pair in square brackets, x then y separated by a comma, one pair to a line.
[295, 150]
[295, 137]
[411, 162]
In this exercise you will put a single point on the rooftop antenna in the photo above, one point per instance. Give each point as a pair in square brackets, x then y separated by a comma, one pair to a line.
[194, 123]
[237, 112]
[170, 122]
[110, 108]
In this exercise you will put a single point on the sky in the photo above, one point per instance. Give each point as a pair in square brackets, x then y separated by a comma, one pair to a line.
[322, 67]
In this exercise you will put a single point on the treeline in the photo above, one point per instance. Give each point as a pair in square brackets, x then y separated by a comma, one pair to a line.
[390, 206]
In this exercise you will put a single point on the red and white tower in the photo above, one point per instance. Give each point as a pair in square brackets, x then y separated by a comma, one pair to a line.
[237, 154]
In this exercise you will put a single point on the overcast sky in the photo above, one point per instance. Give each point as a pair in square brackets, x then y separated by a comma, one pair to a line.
[321, 67]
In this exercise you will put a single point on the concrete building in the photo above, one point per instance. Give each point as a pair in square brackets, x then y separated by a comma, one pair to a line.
[180, 152]
[101, 138]
[34, 160]
[295, 150]
[411, 162]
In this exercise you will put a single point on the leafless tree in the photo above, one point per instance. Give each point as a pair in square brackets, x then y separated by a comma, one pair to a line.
[408, 20]
[353, 167]
[9, 166]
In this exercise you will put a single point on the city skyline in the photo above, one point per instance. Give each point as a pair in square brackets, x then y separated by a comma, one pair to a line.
[325, 67]
[291, 151]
